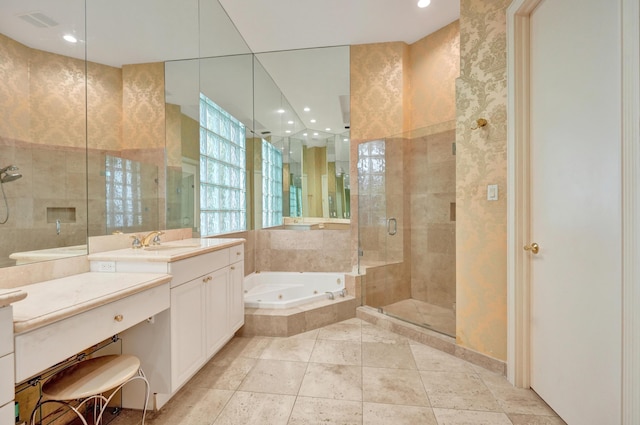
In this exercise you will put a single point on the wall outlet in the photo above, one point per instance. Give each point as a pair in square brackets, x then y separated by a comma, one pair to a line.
[107, 266]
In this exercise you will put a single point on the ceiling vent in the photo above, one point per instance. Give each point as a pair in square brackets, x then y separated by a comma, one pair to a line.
[38, 19]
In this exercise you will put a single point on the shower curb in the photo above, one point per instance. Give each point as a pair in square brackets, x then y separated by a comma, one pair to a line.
[431, 338]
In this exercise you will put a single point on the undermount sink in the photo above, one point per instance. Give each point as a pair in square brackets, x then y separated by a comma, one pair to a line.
[168, 247]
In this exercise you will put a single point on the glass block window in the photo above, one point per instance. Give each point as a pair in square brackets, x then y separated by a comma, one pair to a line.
[271, 185]
[295, 206]
[123, 185]
[223, 203]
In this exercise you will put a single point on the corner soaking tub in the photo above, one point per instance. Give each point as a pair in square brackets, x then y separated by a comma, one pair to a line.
[290, 289]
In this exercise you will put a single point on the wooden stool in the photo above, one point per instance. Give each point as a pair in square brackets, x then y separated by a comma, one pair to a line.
[88, 380]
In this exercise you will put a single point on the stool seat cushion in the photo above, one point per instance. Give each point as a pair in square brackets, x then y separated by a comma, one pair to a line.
[91, 377]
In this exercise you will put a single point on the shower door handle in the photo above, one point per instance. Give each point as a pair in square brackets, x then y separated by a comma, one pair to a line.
[394, 230]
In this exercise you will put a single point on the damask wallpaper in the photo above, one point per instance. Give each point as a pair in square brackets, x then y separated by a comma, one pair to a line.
[435, 65]
[481, 159]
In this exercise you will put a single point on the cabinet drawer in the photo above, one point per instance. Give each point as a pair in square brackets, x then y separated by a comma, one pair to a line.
[6, 382]
[43, 347]
[191, 268]
[236, 253]
[6, 330]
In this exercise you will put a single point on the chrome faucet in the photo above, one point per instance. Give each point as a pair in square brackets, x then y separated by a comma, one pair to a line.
[152, 238]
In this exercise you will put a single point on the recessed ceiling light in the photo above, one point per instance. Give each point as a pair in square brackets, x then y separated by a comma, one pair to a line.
[312, 121]
[70, 38]
[288, 131]
[424, 3]
[315, 134]
[289, 122]
[304, 134]
[281, 111]
[307, 109]
[345, 140]
[327, 129]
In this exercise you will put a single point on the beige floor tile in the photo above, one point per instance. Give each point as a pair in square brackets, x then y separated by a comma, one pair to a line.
[275, 377]
[337, 382]
[372, 333]
[256, 408]
[429, 358]
[192, 406]
[393, 386]
[337, 352]
[518, 419]
[314, 411]
[342, 332]
[385, 414]
[515, 400]
[225, 374]
[250, 347]
[394, 356]
[453, 390]
[291, 349]
[469, 417]
[312, 334]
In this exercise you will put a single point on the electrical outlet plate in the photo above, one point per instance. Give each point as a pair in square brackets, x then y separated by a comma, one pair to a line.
[107, 266]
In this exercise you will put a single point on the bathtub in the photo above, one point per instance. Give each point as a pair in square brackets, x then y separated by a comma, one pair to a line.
[290, 289]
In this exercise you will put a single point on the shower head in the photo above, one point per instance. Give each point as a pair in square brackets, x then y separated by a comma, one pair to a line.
[8, 168]
[9, 177]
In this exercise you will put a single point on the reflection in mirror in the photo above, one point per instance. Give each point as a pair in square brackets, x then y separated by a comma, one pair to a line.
[314, 85]
[195, 174]
[43, 93]
[318, 167]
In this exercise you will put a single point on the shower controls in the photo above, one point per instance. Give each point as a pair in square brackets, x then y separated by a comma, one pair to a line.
[534, 248]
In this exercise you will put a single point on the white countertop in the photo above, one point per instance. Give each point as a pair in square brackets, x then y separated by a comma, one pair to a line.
[56, 299]
[167, 251]
[9, 296]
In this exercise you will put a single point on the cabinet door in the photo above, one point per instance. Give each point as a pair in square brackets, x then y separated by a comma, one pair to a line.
[7, 414]
[187, 331]
[236, 296]
[217, 324]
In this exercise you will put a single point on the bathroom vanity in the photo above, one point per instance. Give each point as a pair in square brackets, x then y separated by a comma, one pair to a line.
[7, 297]
[207, 308]
[173, 305]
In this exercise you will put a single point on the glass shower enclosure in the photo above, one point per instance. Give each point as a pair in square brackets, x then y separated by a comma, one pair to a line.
[406, 225]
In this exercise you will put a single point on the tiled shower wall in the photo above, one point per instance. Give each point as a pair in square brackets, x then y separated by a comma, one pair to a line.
[431, 166]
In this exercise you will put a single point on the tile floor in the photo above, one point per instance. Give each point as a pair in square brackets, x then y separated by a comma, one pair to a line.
[350, 372]
[424, 314]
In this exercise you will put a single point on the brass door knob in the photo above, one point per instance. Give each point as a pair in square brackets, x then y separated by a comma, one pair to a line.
[534, 248]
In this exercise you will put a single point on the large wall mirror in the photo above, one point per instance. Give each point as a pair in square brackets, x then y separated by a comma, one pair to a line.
[101, 135]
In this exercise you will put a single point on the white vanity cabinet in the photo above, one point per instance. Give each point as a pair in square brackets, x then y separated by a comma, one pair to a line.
[236, 286]
[207, 308]
[7, 411]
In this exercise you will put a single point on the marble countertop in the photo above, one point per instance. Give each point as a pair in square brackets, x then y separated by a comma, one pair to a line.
[9, 296]
[167, 251]
[53, 300]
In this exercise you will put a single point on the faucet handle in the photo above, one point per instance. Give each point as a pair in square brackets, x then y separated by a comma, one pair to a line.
[136, 242]
[156, 238]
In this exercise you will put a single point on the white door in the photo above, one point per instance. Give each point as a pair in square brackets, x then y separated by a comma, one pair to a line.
[576, 209]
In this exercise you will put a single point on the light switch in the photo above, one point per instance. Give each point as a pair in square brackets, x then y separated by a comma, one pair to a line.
[492, 192]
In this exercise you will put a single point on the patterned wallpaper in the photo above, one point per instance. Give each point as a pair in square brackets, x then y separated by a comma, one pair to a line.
[435, 65]
[143, 106]
[379, 79]
[481, 322]
[104, 109]
[14, 89]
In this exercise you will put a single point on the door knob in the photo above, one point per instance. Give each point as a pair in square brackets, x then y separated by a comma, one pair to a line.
[534, 248]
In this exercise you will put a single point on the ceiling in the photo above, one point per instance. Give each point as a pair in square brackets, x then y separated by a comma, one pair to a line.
[117, 32]
[299, 24]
